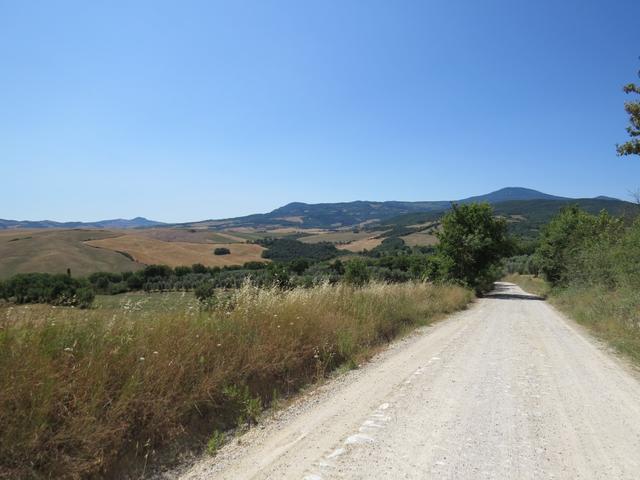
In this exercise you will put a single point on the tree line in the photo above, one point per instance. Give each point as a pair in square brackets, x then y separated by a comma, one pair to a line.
[472, 243]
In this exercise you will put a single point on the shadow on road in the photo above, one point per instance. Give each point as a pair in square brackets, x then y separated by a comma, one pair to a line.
[506, 291]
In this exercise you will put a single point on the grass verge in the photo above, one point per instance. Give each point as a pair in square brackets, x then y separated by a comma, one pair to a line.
[530, 284]
[611, 315]
[85, 393]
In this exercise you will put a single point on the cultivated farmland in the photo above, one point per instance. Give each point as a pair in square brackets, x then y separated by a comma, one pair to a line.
[151, 251]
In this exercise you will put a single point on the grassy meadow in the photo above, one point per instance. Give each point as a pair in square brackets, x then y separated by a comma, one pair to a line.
[83, 392]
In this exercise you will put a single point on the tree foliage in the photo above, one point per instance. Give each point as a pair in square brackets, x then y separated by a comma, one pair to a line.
[632, 147]
[356, 272]
[56, 289]
[472, 243]
[572, 243]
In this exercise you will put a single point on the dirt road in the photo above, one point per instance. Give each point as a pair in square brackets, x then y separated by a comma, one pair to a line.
[508, 389]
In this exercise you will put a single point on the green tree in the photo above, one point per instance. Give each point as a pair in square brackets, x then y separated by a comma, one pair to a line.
[632, 147]
[472, 242]
[569, 237]
[356, 272]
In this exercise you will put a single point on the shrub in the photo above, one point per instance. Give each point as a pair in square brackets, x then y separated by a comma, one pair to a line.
[221, 251]
[204, 291]
[198, 268]
[356, 272]
[85, 297]
[566, 239]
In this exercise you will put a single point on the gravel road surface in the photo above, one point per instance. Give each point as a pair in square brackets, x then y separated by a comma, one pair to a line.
[508, 389]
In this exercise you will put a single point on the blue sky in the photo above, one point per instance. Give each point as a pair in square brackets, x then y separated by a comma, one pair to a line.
[186, 110]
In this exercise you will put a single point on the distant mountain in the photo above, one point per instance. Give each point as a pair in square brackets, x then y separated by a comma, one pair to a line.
[346, 214]
[138, 222]
[335, 215]
[527, 217]
[512, 193]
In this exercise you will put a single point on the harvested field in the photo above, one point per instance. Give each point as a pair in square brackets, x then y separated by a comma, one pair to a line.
[360, 245]
[53, 251]
[187, 235]
[151, 251]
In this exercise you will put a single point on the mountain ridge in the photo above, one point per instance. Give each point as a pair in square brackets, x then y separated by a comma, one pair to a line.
[313, 215]
[137, 222]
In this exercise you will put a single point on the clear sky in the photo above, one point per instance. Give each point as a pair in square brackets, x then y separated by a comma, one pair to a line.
[187, 110]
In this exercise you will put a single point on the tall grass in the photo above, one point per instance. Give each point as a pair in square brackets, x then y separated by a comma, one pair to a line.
[613, 315]
[83, 393]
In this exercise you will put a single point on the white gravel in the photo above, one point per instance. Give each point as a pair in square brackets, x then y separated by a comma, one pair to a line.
[508, 389]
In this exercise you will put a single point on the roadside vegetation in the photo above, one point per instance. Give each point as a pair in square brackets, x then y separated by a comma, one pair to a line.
[87, 390]
[588, 265]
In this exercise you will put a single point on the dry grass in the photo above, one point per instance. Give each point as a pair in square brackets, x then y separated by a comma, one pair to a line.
[151, 251]
[612, 315]
[83, 391]
[361, 245]
[186, 235]
[53, 251]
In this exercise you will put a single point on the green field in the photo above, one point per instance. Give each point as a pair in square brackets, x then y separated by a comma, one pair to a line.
[150, 302]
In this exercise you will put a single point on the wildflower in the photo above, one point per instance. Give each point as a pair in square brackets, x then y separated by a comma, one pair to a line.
[219, 345]
[155, 352]
[142, 359]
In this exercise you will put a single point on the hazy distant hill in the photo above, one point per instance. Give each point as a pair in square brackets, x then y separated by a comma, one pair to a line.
[332, 215]
[138, 222]
[345, 214]
[512, 193]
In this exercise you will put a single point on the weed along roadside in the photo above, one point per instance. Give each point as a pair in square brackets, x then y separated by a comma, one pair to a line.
[88, 392]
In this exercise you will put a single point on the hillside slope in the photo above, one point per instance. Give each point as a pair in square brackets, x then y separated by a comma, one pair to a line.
[138, 222]
[526, 217]
[347, 214]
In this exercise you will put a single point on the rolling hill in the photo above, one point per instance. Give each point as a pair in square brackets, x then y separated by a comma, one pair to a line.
[319, 215]
[348, 214]
[526, 217]
[138, 222]
[121, 245]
